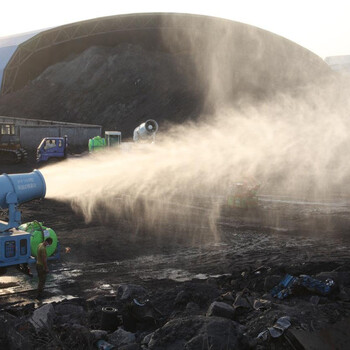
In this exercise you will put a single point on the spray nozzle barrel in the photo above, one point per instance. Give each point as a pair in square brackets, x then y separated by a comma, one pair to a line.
[21, 187]
[146, 130]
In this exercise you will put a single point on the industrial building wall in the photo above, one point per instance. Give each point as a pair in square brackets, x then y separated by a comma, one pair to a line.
[41, 122]
[79, 136]
[31, 136]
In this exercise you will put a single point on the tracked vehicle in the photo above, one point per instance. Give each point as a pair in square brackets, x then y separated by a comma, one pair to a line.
[11, 151]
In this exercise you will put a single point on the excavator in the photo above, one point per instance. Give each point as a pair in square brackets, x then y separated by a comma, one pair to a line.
[10, 146]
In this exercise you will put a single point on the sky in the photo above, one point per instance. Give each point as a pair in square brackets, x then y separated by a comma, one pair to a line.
[322, 26]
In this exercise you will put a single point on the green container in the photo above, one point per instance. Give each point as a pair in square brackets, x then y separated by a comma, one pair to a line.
[38, 234]
[97, 143]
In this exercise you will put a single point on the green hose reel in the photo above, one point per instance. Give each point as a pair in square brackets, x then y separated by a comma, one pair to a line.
[38, 234]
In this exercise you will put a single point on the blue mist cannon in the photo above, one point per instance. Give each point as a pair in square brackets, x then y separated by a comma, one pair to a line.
[14, 190]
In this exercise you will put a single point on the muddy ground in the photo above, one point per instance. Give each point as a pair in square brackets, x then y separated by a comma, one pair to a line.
[250, 250]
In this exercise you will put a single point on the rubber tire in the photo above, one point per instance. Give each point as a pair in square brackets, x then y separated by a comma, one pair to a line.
[109, 320]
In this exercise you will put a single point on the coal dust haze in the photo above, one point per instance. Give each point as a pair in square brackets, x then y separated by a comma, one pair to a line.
[295, 146]
[290, 139]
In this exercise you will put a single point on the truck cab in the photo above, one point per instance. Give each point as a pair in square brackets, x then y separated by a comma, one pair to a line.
[54, 148]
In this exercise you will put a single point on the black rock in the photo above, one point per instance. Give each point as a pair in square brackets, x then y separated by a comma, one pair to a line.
[271, 281]
[221, 309]
[199, 333]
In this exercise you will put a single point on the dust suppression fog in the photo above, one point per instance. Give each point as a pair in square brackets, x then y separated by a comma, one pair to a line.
[272, 114]
[233, 224]
[292, 146]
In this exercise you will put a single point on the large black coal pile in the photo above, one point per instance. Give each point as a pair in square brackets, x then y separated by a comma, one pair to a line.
[112, 86]
[189, 74]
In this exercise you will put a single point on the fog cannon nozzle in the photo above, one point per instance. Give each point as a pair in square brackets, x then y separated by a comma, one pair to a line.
[146, 131]
[24, 187]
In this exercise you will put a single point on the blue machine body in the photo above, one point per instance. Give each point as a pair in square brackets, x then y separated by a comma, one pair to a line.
[14, 190]
[15, 248]
[52, 148]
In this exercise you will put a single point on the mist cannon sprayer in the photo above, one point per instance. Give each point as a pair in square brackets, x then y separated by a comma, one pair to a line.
[17, 189]
[146, 131]
[18, 243]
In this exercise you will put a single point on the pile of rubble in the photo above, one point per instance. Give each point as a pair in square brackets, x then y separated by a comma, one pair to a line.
[261, 309]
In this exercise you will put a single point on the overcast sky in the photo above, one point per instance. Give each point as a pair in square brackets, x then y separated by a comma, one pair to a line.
[321, 26]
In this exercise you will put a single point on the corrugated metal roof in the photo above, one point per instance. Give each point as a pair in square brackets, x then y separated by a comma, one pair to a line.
[9, 44]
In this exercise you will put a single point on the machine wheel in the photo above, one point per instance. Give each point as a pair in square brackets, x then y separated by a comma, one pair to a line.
[3, 271]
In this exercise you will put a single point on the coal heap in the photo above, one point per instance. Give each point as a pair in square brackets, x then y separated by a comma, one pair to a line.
[120, 86]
